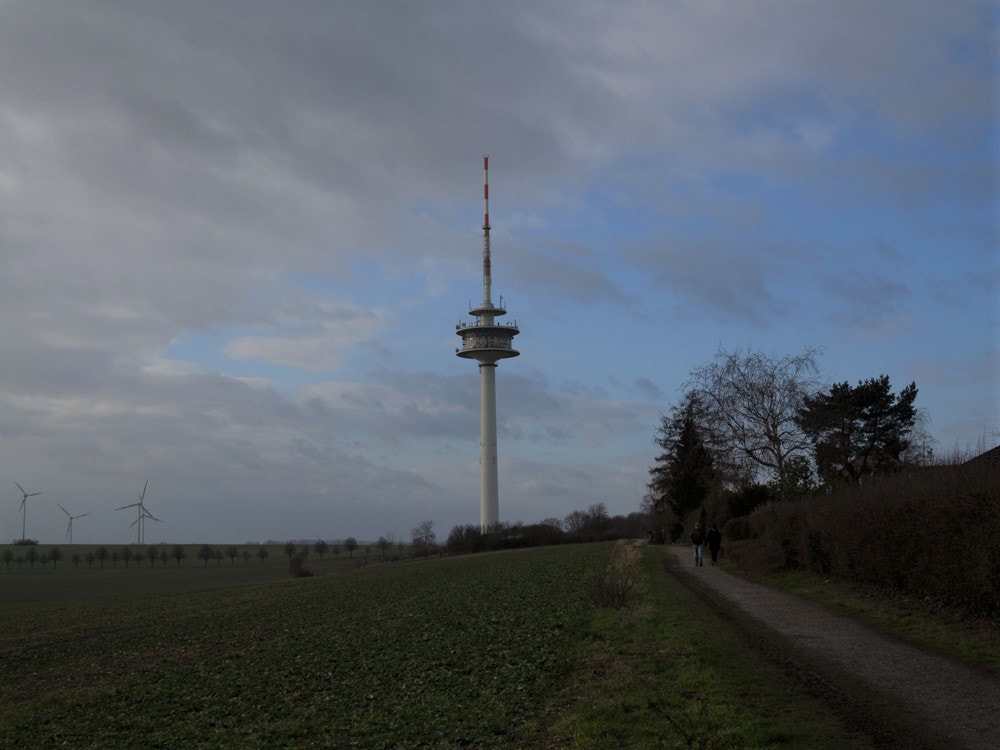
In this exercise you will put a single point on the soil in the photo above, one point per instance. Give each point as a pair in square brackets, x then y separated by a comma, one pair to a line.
[900, 695]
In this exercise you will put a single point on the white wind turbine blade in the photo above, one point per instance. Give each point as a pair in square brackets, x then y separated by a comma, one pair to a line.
[64, 510]
[130, 505]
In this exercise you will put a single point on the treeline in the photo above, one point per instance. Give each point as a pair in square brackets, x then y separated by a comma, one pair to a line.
[753, 428]
[832, 477]
[127, 555]
[591, 525]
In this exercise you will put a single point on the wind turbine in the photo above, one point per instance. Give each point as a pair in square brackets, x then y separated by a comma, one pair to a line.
[143, 514]
[24, 507]
[69, 528]
[141, 520]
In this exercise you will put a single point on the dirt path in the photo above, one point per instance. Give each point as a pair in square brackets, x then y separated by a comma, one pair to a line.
[902, 696]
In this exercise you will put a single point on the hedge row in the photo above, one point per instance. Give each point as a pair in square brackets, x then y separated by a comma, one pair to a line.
[932, 533]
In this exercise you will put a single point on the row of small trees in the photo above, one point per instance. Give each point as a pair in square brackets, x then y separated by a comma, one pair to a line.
[207, 553]
[100, 555]
[127, 555]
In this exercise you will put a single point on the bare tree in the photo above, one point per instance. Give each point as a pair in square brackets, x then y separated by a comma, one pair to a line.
[232, 553]
[152, 553]
[55, 555]
[423, 536]
[752, 401]
[178, 553]
[383, 544]
[350, 544]
[262, 553]
[320, 548]
[598, 517]
[576, 522]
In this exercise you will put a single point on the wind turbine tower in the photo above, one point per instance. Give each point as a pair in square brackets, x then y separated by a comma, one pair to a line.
[143, 514]
[24, 509]
[487, 342]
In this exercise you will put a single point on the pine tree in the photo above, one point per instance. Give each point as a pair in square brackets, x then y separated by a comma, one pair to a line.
[860, 430]
[683, 475]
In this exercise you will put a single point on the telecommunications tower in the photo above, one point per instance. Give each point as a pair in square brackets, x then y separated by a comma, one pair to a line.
[487, 341]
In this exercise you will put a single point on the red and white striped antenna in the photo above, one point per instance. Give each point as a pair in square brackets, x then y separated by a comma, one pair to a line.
[486, 192]
[487, 280]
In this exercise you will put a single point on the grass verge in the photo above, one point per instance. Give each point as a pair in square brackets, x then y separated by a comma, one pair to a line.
[922, 623]
[665, 672]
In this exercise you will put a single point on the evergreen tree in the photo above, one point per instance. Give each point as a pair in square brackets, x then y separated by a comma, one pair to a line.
[683, 475]
[860, 430]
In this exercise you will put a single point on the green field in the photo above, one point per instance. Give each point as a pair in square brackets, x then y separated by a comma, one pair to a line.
[500, 650]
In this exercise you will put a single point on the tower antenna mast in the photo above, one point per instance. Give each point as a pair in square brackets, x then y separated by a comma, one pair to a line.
[487, 275]
[487, 341]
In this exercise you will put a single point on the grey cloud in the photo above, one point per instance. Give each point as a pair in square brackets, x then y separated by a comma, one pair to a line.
[735, 283]
[174, 167]
[562, 272]
[648, 388]
[866, 297]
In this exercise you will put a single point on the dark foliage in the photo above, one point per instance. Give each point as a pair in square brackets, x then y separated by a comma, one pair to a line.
[745, 500]
[858, 431]
[683, 474]
[295, 563]
[929, 532]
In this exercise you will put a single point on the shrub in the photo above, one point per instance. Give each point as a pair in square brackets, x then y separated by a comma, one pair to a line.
[612, 585]
[931, 533]
[736, 529]
[295, 561]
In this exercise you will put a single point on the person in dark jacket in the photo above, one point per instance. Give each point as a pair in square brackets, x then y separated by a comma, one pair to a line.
[714, 539]
[697, 539]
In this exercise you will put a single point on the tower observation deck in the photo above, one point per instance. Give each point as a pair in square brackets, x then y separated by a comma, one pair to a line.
[487, 342]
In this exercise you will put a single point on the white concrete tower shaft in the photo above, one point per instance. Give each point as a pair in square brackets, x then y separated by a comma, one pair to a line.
[489, 487]
[486, 341]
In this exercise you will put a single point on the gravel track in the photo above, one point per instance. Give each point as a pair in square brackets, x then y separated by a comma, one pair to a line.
[900, 695]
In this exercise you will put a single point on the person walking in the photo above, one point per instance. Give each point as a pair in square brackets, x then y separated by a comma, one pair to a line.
[714, 539]
[697, 539]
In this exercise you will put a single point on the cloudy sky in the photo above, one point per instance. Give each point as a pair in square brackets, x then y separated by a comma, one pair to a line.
[236, 237]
